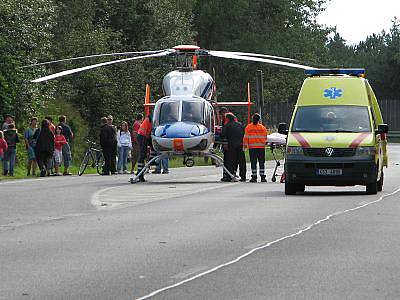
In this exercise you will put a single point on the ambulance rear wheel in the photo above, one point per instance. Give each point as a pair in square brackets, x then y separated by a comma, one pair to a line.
[290, 188]
[372, 188]
[380, 183]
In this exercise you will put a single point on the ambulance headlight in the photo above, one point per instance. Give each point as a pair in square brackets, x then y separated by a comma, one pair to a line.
[365, 151]
[294, 150]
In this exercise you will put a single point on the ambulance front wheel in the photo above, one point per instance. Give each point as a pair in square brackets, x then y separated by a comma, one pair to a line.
[372, 188]
[380, 183]
[293, 188]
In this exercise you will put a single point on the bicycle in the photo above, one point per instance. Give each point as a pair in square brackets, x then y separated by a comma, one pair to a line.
[94, 154]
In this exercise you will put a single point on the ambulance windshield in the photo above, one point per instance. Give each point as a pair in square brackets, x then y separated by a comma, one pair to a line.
[333, 118]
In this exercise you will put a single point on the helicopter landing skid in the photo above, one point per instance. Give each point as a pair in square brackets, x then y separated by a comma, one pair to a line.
[146, 167]
[218, 160]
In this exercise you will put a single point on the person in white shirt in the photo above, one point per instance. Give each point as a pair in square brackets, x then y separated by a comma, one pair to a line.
[124, 146]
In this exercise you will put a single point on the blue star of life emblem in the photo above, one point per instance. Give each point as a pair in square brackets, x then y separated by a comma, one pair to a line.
[333, 93]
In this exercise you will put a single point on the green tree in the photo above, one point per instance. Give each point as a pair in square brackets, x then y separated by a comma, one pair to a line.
[282, 28]
[25, 34]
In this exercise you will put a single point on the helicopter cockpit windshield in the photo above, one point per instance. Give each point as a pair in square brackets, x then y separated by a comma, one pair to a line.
[192, 112]
[169, 112]
[181, 110]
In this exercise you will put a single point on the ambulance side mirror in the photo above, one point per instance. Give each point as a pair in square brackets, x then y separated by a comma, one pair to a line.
[283, 128]
[382, 128]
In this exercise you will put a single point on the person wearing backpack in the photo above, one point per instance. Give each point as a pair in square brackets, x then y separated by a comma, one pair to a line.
[11, 137]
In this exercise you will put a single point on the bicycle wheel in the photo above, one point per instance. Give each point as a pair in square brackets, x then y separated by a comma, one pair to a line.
[84, 164]
[100, 163]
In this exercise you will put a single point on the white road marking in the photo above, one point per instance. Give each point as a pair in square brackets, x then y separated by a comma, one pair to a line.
[231, 262]
[189, 272]
[255, 245]
[111, 197]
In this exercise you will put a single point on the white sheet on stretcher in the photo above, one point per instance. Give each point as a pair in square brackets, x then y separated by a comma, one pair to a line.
[276, 138]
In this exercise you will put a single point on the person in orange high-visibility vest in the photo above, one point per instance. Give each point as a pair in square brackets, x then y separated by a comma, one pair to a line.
[143, 138]
[255, 138]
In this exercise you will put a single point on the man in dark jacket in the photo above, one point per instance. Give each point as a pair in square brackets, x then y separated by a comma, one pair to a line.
[66, 148]
[108, 142]
[44, 147]
[233, 133]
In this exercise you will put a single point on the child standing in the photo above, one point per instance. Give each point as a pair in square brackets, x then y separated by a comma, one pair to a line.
[3, 146]
[59, 142]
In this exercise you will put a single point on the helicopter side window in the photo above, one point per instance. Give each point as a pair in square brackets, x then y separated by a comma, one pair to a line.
[208, 114]
[192, 112]
[169, 112]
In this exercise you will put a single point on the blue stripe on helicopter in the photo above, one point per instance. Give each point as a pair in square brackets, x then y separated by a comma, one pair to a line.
[206, 89]
[181, 136]
[178, 133]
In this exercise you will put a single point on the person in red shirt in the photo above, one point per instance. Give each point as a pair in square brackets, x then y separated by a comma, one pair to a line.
[135, 144]
[59, 142]
[143, 137]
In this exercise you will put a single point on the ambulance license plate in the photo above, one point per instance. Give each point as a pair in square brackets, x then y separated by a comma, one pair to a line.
[329, 172]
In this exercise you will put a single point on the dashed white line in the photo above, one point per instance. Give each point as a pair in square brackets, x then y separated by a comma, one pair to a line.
[231, 262]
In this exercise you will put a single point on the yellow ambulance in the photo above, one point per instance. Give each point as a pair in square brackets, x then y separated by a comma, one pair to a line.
[336, 136]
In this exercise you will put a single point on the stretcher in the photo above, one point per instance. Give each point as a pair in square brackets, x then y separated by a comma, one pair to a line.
[277, 144]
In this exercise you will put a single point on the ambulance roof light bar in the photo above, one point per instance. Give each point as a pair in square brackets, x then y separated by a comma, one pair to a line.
[318, 72]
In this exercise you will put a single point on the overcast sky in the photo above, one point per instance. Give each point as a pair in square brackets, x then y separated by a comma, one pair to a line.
[356, 19]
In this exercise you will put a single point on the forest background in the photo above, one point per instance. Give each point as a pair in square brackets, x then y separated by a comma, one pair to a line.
[34, 31]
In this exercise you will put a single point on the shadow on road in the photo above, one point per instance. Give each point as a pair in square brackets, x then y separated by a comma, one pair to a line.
[181, 182]
[336, 193]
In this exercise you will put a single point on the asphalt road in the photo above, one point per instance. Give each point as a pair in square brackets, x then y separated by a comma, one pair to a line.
[188, 236]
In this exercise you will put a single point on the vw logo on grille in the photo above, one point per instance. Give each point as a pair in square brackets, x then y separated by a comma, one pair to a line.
[329, 151]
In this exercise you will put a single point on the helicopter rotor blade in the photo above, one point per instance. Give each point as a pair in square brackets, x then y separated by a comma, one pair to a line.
[72, 71]
[230, 55]
[255, 55]
[92, 56]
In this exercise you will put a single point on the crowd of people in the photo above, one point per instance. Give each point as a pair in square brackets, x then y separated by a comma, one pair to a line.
[137, 143]
[48, 146]
[122, 143]
[236, 138]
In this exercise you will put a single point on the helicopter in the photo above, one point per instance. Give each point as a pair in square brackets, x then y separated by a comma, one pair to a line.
[184, 120]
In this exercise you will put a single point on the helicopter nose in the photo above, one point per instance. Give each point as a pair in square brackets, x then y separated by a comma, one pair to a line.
[179, 130]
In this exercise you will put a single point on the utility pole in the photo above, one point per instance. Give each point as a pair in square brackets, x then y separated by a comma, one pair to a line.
[260, 92]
